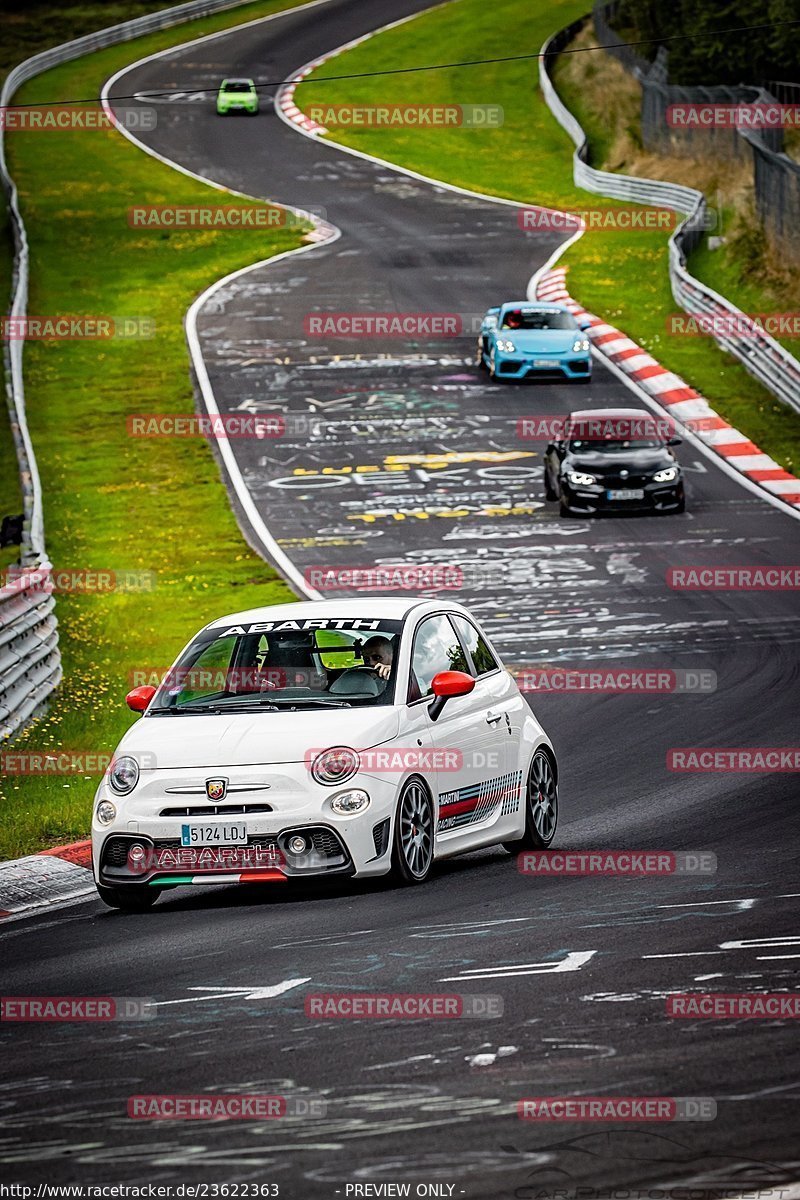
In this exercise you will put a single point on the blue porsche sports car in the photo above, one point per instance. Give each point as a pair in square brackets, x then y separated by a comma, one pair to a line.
[522, 339]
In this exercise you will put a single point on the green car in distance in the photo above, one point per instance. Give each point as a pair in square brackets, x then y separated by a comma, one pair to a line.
[237, 95]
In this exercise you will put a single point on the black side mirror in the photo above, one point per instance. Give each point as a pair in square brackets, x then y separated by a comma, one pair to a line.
[674, 441]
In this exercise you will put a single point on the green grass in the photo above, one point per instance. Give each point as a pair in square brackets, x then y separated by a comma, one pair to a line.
[621, 276]
[112, 501]
[37, 27]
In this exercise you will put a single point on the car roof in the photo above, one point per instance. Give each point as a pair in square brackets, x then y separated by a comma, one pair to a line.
[391, 608]
[605, 414]
[238, 79]
[534, 306]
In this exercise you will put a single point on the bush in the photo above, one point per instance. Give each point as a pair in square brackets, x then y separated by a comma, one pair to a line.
[706, 58]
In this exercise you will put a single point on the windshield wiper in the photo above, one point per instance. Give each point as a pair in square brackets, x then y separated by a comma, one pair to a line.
[217, 710]
[295, 701]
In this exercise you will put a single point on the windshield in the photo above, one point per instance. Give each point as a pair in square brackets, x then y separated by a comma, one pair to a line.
[240, 85]
[613, 446]
[518, 318]
[278, 665]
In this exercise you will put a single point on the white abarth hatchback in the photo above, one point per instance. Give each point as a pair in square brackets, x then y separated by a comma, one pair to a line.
[337, 737]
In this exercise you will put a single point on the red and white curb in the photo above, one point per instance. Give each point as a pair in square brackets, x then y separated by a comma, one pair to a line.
[41, 880]
[681, 401]
[284, 98]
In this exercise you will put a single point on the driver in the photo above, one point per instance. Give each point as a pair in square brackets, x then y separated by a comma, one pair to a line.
[378, 653]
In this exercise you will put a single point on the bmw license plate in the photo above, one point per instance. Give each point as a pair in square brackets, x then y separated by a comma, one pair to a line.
[214, 835]
[625, 494]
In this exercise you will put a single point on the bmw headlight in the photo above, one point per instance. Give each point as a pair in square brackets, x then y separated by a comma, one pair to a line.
[505, 345]
[123, 775]
[349, 803]
[106, 812]
[666, 476]
[580, 344]
[336, 765]
[580, 479]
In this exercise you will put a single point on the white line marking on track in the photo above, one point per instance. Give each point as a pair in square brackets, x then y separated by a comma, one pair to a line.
[240, 993]
[574, 960]
[684, 954]
[706, 903]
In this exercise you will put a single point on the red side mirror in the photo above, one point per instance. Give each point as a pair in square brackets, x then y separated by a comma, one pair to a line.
[140, 697]
[452, 683]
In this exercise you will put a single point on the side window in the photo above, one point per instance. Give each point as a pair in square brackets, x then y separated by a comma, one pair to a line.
[436, 648]
[481, 654]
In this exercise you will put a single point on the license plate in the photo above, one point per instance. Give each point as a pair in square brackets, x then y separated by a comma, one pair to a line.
[547, 362]
[625, 494]
[214, 835]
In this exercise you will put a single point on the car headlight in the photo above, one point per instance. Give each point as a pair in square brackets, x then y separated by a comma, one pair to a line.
[348, 803]
[580, 478]
[336, 765]
[580, 344]
[123, 775]
[505, 345]
[666, 476]
[106, 812]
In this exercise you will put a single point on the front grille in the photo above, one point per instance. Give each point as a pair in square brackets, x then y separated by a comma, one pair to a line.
[326, 842]
[616, 481]
[115, 851]
[327, 852]
[219, 810]
[380, 836]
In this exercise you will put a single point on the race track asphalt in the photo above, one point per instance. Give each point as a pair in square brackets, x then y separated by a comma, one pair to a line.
[435, 1101]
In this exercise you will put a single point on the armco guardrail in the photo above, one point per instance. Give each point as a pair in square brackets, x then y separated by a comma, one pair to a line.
[763, 357]
[30, 663]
